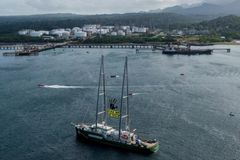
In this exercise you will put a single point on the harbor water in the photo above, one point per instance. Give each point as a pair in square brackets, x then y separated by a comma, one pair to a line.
[183, 101]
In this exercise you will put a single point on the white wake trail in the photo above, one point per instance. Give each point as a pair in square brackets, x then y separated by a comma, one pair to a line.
[64, 87]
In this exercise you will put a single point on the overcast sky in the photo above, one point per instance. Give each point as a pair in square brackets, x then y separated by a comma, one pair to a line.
[21, 7]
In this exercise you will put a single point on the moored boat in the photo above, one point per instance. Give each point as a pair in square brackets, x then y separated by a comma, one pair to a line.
[171, 50]
[187, 51]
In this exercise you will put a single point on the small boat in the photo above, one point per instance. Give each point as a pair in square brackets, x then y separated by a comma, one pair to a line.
[41, 85]
[114, 76]
[102, 133]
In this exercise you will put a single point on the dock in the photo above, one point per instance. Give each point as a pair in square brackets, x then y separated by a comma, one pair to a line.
[138, 47]
[31, 49]
[27, 50]
[112, 46]
[222, 49]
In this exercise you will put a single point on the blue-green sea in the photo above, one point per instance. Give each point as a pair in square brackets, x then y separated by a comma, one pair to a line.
[184, 102]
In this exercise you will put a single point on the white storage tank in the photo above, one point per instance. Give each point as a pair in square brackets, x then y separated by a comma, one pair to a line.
[44, 32]
[36, 34]
[80, 34]
[23, 32]
[76, 29]
[142, 30]
[114, 34]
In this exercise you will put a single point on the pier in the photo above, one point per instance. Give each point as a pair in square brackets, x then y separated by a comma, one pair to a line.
[11, 47]
[33, 49]
[112, 46]
[26, 50]
[222, 49]
[130, 46]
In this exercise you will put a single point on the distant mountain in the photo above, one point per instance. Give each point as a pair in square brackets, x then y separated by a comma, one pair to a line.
[204, 9]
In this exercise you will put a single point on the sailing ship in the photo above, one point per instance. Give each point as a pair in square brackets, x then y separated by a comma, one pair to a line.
[101, 132]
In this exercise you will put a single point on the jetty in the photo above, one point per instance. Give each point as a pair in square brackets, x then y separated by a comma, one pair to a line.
[34, 49]
[113, 46]
[138, 47]
[31, 49]
[222, 49]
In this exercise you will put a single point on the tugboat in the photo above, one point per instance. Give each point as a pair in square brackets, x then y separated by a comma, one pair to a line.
[101, 133]
[185, 51]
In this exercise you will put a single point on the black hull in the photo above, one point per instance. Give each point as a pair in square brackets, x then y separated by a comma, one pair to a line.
[188, 52]
[84, 136]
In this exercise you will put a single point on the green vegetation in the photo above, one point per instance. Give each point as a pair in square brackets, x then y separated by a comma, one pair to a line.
[212, 39]
[204, 39]
[13, 38]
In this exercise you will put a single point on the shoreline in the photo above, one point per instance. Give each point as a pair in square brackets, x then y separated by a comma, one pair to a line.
[227, 43]
[234, 42]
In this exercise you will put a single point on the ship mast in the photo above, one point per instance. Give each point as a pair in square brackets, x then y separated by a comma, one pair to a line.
[127, 110]
[125, 80]
[102, 83]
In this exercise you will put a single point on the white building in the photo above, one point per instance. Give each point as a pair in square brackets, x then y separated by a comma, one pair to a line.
[139, 29]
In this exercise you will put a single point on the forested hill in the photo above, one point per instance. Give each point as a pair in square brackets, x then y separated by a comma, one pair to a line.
[227, 26]
[224, 23]
[10, 24]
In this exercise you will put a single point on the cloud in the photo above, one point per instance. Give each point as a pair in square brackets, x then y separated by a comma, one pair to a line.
[9, 7]
[93, 6]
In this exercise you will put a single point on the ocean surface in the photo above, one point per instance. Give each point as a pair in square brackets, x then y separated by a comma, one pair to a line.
[188, 114]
